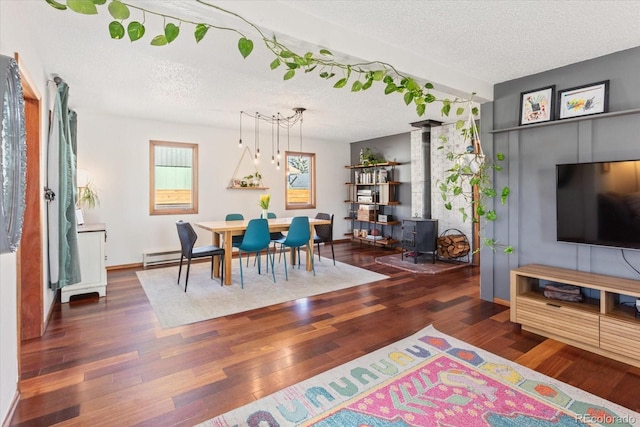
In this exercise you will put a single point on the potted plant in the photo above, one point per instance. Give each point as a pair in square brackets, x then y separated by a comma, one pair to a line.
[88, 196]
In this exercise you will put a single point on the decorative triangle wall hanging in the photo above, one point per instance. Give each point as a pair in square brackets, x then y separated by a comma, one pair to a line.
[246, 176]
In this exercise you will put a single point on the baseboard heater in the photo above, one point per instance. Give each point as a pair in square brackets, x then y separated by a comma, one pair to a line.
[160, 257]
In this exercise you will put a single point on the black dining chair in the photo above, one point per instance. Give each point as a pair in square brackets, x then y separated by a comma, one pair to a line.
[188, 238]
[324, 234]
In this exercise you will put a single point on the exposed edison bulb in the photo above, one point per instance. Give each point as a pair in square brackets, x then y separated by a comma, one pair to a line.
[258, 153]
[278, 165]
[278, 155]
[240, 143]
[273, 160]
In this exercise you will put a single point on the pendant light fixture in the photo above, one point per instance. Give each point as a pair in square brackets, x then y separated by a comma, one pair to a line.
[277, 122]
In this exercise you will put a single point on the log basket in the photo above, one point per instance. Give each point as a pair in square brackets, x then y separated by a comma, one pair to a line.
[452, 244]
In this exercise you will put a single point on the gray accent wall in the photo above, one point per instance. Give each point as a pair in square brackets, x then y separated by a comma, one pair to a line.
[528, 220]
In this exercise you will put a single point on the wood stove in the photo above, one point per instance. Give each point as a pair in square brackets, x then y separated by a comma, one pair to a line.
[419, 236]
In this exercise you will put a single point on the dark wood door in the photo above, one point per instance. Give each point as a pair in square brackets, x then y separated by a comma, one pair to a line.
[30, 262]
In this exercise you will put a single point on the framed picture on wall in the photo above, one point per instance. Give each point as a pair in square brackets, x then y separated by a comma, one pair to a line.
[584, 100]
[537, 105]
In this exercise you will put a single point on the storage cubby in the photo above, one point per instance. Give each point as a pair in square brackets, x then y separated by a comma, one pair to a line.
[600, 323]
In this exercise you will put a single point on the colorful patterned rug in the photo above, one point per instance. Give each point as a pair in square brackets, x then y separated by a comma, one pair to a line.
[429, 379]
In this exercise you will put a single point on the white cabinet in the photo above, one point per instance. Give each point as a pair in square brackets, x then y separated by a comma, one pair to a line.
[93, 272]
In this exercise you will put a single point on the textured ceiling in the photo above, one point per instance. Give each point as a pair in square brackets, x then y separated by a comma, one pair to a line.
[460, 46]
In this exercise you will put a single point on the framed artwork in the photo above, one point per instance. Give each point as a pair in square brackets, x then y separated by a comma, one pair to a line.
[584, 100]
[537, 105]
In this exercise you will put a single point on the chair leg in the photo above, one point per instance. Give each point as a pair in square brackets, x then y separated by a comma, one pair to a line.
[212, 257]
[286, 274]
[180, 268]
[318, 246]
[186, 280]
[241, 278]
[333, 255]
[273, 271]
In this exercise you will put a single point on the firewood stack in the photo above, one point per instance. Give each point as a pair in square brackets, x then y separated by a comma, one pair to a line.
[453, 246]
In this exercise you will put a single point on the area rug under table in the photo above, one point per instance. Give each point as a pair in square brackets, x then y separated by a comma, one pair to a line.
[429, 379]
[207, 299]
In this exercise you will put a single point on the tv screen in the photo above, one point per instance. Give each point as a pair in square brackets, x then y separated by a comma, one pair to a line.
[598, 203]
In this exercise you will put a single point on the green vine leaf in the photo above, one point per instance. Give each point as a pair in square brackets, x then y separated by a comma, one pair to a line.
[390, 88]
[116, 30]
[289, 74]
[159, 40]
[459, 124]
[340, 83]
[86, 7]
[378, 75]
[428, 86]
[200, 32]
[171, 32]
[275, 64]
[500, 156]
[421, 109]
[459, 111]
[245, 46]
[54, 4]
[408, 97]
[310, 69]
[325, 52]
[118, 10]
[505, 194]
[135, 30]
[356, 86]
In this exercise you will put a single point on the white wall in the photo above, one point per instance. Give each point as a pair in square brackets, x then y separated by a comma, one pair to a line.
[115, 151]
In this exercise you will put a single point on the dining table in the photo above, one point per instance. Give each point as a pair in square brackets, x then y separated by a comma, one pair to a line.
[223, 231]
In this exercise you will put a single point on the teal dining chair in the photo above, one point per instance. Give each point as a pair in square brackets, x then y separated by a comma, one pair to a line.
[256, 239]
[235, 240]
[276, 235]
[298, 235]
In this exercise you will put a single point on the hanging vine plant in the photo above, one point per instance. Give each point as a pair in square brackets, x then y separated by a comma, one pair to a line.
[471, 170]
[358, 77]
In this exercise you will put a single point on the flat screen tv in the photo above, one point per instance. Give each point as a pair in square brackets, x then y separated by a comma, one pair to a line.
[598, 203]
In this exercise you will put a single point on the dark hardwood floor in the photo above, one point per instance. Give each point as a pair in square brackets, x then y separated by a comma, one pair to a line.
[108, 362]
